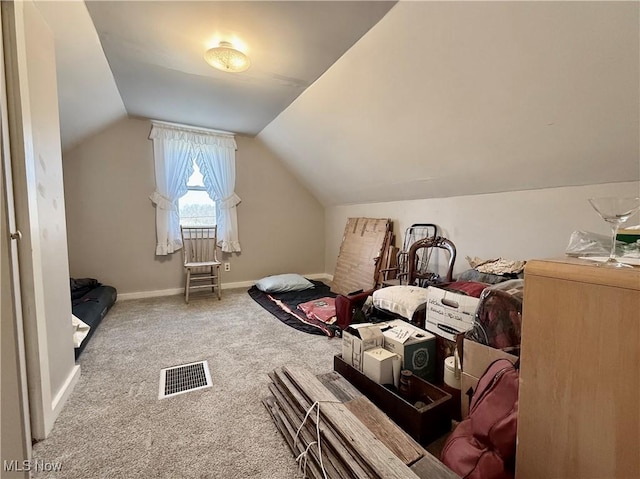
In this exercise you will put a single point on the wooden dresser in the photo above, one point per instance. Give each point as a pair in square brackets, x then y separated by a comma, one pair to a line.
[579, 412]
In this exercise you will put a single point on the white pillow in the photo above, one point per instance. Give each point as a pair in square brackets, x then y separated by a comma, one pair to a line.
[402, 300]
[282, 283]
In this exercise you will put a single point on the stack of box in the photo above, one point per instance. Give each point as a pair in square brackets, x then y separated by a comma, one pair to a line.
[415, 346]
[357, 339]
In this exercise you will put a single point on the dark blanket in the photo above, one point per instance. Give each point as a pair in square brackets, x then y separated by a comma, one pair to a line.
[284, 306]
[81, 286]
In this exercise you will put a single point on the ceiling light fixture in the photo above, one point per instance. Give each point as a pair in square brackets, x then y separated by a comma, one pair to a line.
[226, 58]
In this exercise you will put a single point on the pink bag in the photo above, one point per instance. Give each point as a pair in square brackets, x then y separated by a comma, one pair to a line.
[483, 446]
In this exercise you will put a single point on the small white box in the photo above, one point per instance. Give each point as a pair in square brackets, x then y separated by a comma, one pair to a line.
[378, 365]
[355, 341]
[449, 313]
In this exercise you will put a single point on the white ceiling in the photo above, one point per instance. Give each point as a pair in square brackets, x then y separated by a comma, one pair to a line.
[437, 99]
[155, 50]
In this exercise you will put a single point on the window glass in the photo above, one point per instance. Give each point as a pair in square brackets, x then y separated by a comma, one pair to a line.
[196, 207]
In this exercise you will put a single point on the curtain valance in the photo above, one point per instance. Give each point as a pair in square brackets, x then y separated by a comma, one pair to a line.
[194, 136]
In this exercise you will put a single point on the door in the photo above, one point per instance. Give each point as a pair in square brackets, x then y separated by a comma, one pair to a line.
[15, 437]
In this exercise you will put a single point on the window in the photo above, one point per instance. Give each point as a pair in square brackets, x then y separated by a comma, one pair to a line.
[196, 207]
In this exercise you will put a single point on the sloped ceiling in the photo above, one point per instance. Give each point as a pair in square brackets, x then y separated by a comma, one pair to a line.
[155, 50]
[88, 99]
[458, 98]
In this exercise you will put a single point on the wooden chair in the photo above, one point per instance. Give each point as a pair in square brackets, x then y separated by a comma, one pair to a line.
[199, 247]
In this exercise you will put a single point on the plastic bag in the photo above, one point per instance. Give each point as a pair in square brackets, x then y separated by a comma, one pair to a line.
[498, 318]
[585, 243]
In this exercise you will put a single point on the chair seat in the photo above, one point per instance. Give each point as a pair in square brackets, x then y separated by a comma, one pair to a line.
[202, 264]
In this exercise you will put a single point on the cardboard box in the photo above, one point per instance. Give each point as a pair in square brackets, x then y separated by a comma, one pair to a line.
[377, 365]
[356, 340]
[415, 346]
[449, 313]
[468, 385]
[476, 358]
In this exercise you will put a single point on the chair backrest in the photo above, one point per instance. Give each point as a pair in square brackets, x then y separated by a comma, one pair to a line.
[199, 244]
[414, 233]
[420, 270]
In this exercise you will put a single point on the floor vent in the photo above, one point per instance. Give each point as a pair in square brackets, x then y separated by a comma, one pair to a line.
[185, 378]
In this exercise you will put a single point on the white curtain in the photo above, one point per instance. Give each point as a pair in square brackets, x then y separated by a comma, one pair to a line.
[217, 162]
[173, 158]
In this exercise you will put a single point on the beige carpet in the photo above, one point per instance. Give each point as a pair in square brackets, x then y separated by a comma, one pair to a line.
[115, 427]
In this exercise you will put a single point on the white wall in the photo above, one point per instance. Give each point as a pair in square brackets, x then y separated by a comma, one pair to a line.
[514, 225]
[40, 213]
[111, 221]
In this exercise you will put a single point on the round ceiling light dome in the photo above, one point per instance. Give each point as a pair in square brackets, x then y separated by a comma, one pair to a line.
[226, 58]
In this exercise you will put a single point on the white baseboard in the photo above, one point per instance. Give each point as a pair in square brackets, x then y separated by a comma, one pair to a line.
[60, 399]
[176, 291]
[150, 294]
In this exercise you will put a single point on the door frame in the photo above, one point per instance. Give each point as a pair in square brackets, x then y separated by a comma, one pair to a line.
[12, 294]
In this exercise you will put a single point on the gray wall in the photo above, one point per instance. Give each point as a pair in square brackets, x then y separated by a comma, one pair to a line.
[111, 221]
[513, 225]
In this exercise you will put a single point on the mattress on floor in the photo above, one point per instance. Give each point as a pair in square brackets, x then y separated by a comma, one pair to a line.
[91, 308]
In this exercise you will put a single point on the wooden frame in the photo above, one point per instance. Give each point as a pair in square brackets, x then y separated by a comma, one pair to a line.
[200, 257]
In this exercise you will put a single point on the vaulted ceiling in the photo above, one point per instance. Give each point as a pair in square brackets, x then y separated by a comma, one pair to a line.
[412, 100]
[155, 53]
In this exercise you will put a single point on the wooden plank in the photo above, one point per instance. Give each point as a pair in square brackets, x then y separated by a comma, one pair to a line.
[342, 389]
[381, 460]
[383, 260]
[391, 435]
[342, 451]
[360, 254]
[308, 434]
[394, 438]
[429, 467]
[313, 470]
[309, 385]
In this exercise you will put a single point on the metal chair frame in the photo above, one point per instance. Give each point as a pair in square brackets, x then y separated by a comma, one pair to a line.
[421, 276]
[400, 273]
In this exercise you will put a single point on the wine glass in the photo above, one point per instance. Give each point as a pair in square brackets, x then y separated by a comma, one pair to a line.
[615, 211]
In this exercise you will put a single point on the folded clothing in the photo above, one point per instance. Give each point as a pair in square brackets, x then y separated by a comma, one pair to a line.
[322, 309]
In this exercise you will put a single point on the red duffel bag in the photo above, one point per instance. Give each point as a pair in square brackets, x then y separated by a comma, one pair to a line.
[483, 446]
